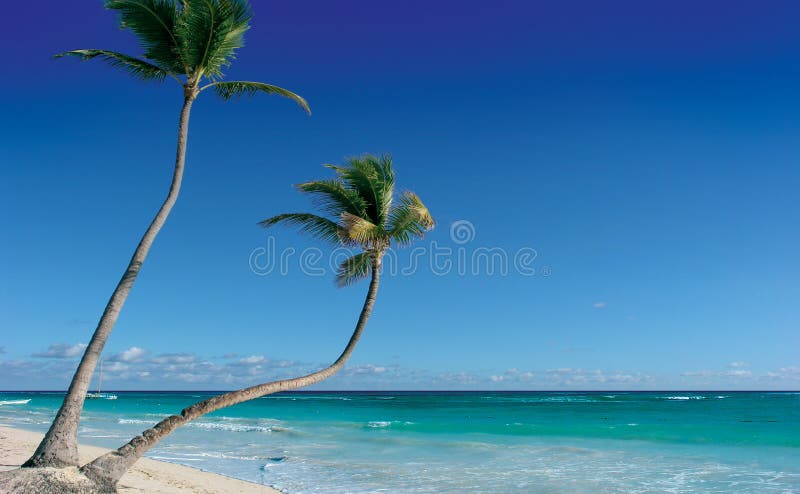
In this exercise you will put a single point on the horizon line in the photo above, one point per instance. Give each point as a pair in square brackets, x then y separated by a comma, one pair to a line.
[428, 391]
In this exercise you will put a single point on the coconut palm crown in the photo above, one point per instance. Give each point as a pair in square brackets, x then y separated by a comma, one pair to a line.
[361, 211]
[191, 41]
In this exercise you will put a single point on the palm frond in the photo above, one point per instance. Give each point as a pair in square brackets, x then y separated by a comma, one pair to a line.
[384, 166]
[349, 197]
[153, 22]
[361, 230]
[232, 89]
[334, 198]
[230, 37]
[373, 178]
[354, 269]
[133, 66]
[317, 226]
[409, 219]
[210, 31]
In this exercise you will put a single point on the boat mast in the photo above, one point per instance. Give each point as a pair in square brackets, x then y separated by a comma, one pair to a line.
[100, 378]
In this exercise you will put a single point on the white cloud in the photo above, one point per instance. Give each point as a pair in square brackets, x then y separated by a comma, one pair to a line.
[734, 369]
[513, 376]
[33, 374]
[367, 369]
[182, 370]
[595, 377]
[704, 373]
[599, 305]
[62, 350]
[262, 361]
[135, 368]
[173, 358]
[457, 379]
[119, 367]
[132, 354]
[252, 360]
[562, 370]
[520, 374]
[790, 373]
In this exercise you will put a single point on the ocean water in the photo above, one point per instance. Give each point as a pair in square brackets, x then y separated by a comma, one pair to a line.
[409, 442]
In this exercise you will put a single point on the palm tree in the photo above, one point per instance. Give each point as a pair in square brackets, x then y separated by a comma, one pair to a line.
[360, 203]
[192, 42]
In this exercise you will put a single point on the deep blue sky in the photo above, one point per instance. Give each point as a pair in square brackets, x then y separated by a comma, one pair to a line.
[648, 152]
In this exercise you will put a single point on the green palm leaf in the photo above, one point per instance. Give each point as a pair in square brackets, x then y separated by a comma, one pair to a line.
[409, 219]
[354, 269]
[153, 22]
[210, 31]
[381, 167]
[333, 197]
[361, 194]
[229, 37]
[133, 66]
[373, 178]
[363, 231]
[317, 226]
[192, 38]
[232, 89]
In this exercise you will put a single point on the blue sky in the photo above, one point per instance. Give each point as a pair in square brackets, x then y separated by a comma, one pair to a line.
[647, 152]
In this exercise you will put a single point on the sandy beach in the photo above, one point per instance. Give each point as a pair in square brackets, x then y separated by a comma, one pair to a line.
[147, 476]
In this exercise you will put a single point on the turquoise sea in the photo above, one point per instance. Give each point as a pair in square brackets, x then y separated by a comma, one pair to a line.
[457, 442]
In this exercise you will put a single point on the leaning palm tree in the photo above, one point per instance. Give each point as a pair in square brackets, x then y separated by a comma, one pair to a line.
[192, 42]
[361, 214]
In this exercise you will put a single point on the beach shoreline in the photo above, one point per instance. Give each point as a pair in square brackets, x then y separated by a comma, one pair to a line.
[146, 476]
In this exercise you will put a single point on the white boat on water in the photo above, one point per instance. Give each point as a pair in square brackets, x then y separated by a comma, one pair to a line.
[99, 395]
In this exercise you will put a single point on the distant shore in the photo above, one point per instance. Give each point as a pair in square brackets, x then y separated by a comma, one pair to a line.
[147, 476]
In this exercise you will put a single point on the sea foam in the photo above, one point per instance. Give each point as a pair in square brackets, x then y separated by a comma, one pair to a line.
[15, 402]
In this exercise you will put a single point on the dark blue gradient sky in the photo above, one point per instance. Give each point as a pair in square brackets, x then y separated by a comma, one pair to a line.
[648, 151]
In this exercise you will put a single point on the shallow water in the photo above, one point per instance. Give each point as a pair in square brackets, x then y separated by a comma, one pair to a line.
[604, 442]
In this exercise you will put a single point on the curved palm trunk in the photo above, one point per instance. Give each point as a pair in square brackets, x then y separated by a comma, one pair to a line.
[60, 445]
[109, 468]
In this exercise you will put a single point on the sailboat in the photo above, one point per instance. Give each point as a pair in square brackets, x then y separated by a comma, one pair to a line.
[99, 395]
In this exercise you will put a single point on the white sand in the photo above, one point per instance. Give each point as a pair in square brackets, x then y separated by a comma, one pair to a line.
[146, 476]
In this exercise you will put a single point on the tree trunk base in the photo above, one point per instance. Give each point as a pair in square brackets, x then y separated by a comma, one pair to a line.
[49, 480]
